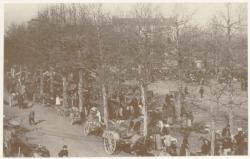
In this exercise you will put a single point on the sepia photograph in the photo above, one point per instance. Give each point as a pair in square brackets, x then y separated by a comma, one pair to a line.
[115, 79]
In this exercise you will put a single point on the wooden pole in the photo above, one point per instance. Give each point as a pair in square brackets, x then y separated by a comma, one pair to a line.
[144, 106]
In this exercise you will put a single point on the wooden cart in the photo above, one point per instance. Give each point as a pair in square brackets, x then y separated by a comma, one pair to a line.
[114, 139]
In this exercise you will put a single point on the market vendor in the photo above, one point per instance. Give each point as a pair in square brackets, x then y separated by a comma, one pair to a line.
[95, 114]
[206, 146]
[239, 141]
[120, 113]
[133, 135]
[130, 112]
[166, 136]
[58, 100]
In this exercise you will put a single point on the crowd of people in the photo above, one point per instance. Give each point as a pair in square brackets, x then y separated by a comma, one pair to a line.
[17, 90]
[224, 144]
[122, 107]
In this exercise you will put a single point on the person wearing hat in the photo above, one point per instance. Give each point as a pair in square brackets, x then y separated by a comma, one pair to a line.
[201, 91]
[133, 136]
[64, 152]
[135, 104]
[41, 151]
[206, 146]
[239, 140]
[95, 114]
[140, 109]
[226, 140]
[167, 139]
[173, 147]
[31, 117]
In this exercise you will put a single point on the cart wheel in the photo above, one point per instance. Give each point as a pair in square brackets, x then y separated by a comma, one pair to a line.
[110, 144]
[86, 129]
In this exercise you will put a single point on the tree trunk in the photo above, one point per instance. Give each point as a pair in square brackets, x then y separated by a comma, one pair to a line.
[51, 82]
[41, 86]
[212, 137]
[105, 106]
[102, 76]
[26, 75]
[212, 129]
[178, 104]
[20, 68]
[180, 73]
[80, 91]
[231, 115]
[144, 107]
[230, 63]
[65, 94]
[41, 82]
[12, 72]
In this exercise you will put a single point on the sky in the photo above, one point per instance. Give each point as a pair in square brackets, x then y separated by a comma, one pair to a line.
[21, 13]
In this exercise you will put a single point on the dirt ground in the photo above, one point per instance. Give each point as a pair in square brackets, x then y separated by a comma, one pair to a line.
[50, 133]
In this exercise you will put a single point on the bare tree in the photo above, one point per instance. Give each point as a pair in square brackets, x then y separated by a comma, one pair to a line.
[180, 22]
[229, 24]
[99, 23]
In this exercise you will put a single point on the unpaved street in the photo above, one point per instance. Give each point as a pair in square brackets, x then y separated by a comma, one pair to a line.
[54, 131]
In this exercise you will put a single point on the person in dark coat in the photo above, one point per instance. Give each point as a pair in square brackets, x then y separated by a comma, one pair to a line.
[121, 97]
[130, 112]
[135, 105]
[169, 109]
[64, 152]
[239, 139]
[227, 146]
[226, 131]
[173, 149]
[32, 117]
[184, 150]
[201, 91]
[205, 148]
[42, 151]
[120, 113]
